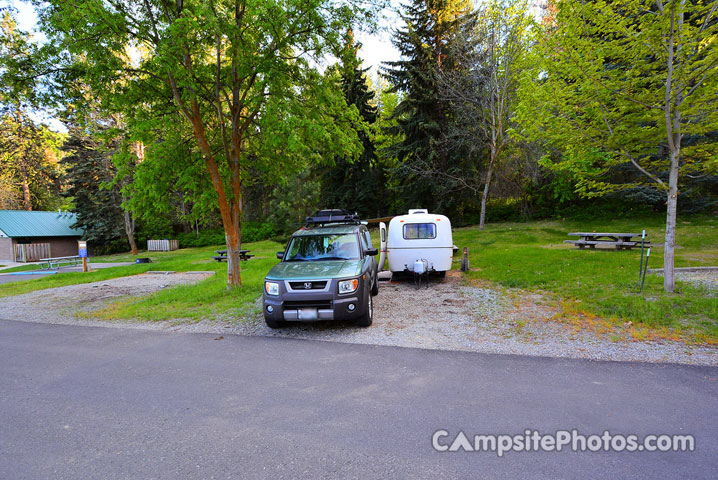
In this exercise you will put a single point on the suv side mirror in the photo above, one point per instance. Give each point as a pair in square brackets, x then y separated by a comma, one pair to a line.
[371, 252]
[280, 255]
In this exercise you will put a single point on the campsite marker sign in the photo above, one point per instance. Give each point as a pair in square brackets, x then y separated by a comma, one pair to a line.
[82, 252]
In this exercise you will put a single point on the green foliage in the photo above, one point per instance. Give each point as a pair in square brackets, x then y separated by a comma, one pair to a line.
[30, 172]
[251, 232]
[423, 116]
[356, 183]
[603, 85]
[96, 201]
[293, 201]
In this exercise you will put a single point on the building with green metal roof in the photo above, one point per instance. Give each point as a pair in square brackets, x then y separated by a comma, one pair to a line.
[50, 234]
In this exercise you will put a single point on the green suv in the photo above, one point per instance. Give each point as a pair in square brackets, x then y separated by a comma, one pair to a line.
[327, 272]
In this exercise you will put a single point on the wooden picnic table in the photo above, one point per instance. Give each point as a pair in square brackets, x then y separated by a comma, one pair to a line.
[612, 239]
[222, 255]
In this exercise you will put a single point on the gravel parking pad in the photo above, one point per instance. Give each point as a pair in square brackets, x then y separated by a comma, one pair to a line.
[451, 316]
[447, 315]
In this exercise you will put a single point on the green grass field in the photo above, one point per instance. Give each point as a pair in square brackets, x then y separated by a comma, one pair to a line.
[588, 285]
[602, 283]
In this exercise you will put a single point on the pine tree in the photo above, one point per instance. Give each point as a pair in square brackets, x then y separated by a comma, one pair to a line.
[356, 184]
[425, 43]
[97, 201]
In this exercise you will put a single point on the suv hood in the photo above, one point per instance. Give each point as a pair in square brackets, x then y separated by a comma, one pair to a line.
[315, 269]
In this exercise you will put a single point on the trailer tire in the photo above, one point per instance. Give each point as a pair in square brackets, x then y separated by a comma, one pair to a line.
[375, 287]
[366, 319]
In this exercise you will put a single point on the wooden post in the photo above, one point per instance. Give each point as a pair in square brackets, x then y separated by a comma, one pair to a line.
[82, 252]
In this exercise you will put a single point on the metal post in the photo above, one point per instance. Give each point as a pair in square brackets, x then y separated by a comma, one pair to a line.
[643, 242]
[645, 269]
[465, 260]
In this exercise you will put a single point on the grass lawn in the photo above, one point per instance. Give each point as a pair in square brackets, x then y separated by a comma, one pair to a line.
[601, 286]
[202, 300]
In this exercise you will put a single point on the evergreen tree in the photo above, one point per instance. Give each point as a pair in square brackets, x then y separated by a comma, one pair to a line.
[356, 184]
[97, 200]
[423, 117]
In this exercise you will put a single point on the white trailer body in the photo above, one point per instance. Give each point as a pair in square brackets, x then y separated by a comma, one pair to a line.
[420, 235]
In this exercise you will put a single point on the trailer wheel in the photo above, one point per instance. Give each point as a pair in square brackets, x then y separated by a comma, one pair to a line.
[442, 274]
[366, 319]
[375, 287]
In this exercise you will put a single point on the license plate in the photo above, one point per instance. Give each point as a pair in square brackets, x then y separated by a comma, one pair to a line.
[307, 314]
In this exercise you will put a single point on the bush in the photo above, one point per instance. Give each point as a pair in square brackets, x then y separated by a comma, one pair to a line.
[251, 232]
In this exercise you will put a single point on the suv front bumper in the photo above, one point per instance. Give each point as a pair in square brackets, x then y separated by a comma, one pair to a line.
[298, 306]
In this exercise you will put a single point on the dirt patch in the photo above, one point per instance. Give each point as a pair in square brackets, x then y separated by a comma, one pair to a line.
[61, 304]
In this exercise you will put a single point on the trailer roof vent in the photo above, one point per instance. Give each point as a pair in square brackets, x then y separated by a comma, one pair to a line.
[323, 217]
[418, 210]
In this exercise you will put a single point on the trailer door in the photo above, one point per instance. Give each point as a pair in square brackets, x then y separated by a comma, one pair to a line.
[382, 245]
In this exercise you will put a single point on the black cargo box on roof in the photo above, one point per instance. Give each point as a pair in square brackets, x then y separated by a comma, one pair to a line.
[333, 216]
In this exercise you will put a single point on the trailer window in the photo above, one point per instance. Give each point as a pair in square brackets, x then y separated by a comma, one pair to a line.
[417, 231]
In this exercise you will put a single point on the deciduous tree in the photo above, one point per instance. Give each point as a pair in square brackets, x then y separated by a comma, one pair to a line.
[628, 82]
[241, 73]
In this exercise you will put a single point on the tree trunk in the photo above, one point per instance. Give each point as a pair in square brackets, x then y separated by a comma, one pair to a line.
[25, 186]
[23, 165]
[672, 204]
[234, 243]
[485, 195]
[130, 229]
[230, 210]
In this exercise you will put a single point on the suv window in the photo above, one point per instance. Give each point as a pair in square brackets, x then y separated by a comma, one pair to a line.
[416, 231]
[366, 239]
[323, 247]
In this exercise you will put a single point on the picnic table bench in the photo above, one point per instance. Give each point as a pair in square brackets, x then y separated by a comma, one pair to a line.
[56, 262]
[618, 240]
[222, 255]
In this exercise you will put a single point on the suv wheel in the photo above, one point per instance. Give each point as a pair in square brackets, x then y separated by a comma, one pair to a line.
[375, 287]
[271, 323]
[366, 319]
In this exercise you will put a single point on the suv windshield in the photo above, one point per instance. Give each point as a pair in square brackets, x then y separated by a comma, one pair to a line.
[323, 247]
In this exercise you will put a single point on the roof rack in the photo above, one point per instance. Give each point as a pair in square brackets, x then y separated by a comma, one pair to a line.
[323, 217]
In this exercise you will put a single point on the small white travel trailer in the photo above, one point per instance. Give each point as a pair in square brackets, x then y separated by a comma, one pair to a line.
[419, 242]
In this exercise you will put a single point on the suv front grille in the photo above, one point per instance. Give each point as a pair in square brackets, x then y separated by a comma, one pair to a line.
[316, 285]
[321, 304]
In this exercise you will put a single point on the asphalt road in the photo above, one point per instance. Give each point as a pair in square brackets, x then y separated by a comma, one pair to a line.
[78, 402]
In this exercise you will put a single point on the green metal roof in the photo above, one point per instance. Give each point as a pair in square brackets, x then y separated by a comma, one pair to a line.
[23, 223]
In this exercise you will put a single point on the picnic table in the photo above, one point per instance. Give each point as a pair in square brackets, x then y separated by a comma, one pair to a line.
[222, 255]
[618, 240]
[56, 262]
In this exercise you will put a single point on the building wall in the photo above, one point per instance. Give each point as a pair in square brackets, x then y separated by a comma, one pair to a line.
[60, 246]
[7, 251]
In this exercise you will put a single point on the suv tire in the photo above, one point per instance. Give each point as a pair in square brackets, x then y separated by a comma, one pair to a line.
[366, 319]
[271, 323]
[375, 287]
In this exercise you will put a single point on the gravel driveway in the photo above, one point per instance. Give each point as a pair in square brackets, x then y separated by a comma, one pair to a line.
[447, 315]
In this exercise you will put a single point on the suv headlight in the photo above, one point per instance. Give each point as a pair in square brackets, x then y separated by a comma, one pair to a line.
[348, 286]
[272, 288]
